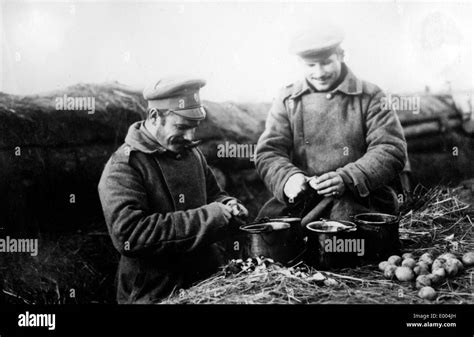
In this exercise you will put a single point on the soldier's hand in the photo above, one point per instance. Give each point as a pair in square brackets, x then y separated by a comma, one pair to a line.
[237, 208]
[328, 184]
[226, 210]
[296, 184]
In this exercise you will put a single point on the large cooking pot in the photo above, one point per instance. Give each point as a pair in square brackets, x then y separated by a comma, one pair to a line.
[380, 232]
[272, 239]
[333, 244]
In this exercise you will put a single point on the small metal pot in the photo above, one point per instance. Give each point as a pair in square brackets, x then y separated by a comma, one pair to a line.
[380, 232]
[271, 239]
[324, 241]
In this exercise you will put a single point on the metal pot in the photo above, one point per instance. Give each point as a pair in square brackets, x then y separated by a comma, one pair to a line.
[380, 232]
[324, 242]
[273, 239]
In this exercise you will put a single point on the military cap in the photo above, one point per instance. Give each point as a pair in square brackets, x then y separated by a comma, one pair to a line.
[177, 94]
[317, 42]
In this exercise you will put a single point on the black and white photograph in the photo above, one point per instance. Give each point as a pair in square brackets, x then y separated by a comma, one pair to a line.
[241, 168]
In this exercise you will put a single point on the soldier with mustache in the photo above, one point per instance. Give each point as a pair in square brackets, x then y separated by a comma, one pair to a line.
[162, 204]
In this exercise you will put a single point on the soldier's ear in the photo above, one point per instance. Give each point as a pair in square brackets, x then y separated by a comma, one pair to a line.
[340, 54]
[153, 115]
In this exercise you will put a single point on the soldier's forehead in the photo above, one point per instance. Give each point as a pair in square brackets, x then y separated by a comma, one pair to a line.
[317, 59]
[177, 119]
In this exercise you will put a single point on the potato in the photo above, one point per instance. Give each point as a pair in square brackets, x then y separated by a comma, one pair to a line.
[440, 272]
[390, 271]
[421, 268]
[427, 293]
[404, 274]
[451, 268]
[408, 256]
[427, 258]
[468, 259]
[460, 265]
[438, 263]
[447, 256]
[423, 281]
[409, 262]
[383, 265]
[395, 260]
[438, 276]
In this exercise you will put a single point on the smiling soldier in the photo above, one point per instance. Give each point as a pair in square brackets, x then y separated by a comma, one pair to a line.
[329, 149]
[162, 204]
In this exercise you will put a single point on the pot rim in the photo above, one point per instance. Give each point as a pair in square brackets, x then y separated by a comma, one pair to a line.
[393, 218]
[352, 226]
[256, 228]
[285, 219]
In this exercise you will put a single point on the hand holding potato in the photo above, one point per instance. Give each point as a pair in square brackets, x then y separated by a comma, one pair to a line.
[226, 210]
[236, 208]
[328, 184]
[296, 184]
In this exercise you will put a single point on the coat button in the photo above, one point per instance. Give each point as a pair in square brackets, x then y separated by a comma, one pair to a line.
[328, 96]
[306, 141]
[178, 156]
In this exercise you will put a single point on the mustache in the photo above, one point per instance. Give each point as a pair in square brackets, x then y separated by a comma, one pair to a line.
[323, 78]
[186, 143]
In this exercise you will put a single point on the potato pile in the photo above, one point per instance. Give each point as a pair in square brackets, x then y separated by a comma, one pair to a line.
[428, 272]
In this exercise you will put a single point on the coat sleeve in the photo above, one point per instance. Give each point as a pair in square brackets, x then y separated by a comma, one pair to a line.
[273, 152]
[386, 151]
[138, 232]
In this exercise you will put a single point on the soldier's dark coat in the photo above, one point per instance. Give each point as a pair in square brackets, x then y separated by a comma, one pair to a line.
[344, 130]
[162, 215]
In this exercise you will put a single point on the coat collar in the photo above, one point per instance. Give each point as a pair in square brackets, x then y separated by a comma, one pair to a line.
[140, 139]
[351, 85]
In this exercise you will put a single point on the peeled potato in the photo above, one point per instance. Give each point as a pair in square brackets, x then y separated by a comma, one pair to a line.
[404, 274]
[409, 262]
[408, 256]
[468, 259]
[395, 260]
[389, 271]
[383, 265]
[427, 293]
[423, 281]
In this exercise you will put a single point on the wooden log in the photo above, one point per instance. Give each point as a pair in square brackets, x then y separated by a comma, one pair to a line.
[431, 128]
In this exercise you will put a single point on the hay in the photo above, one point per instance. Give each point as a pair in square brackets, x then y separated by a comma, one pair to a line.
[434, 220]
